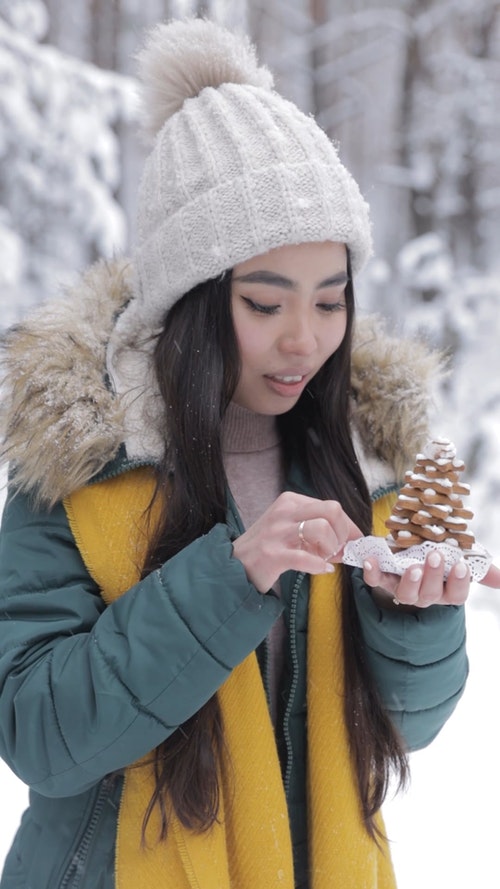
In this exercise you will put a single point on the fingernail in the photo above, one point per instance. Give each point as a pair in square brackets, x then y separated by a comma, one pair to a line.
[330, 568]
[434, 560]
[367, 565]
[416, 574]
[461, 569]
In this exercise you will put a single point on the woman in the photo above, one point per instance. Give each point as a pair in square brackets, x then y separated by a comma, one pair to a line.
[183, 483]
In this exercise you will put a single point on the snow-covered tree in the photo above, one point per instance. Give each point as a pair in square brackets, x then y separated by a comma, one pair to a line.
[284, 34]
[60, 160]
[450, 127]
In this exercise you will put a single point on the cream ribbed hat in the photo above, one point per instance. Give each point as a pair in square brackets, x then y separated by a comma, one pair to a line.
[235, 170]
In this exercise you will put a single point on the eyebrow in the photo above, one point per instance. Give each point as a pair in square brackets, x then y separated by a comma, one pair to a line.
[276, 280]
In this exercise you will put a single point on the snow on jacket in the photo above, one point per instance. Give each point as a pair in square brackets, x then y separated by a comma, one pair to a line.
[62, 647]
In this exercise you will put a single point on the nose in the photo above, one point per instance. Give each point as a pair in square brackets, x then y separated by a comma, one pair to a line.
[299, 337]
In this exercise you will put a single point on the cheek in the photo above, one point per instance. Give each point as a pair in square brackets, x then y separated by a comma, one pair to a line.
[251, 343]
[334, 340]
[250, 354]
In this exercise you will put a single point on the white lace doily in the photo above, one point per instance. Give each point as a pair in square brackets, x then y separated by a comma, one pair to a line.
[356, 551]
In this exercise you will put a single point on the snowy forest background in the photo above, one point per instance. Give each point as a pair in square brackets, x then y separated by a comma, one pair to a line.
[411, 92]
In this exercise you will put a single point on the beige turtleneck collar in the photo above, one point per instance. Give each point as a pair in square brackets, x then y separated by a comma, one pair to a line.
[243, 431]
[252, 459]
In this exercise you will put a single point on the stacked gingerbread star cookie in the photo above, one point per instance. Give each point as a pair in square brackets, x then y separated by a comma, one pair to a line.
[430, 505]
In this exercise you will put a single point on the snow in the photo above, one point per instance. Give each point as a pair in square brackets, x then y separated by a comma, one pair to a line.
[29, 18]
[59, 124]
[424, 262]
[442, 831]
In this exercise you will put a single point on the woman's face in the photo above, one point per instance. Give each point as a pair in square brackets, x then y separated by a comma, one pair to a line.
[289, 314]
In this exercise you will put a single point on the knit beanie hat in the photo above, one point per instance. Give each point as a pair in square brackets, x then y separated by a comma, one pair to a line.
[235, 169]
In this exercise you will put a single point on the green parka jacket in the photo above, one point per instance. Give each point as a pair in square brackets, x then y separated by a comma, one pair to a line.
[85, 689]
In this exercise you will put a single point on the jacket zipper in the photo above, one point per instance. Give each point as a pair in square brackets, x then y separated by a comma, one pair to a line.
[74, 872]
[106, 474]
[266, 673]
[295, 676]
[382, 491]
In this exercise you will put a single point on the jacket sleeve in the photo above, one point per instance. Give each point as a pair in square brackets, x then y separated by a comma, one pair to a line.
[418, 661]
[85, 689]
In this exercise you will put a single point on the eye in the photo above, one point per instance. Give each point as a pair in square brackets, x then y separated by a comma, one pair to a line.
[330, 308]
[259, 308]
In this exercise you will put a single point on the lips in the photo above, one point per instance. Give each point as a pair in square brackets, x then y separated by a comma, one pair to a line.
[289, 385]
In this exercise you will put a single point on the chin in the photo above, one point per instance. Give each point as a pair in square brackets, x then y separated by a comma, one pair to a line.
[266, 403]
[275, 408]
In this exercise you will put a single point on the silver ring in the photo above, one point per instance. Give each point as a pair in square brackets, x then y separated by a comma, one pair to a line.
[301, 532]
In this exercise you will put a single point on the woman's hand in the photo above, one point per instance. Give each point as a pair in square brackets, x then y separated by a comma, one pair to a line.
[424, 585]
[295, 532]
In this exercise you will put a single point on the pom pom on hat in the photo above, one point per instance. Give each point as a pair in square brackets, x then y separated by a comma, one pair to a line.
[183, 57]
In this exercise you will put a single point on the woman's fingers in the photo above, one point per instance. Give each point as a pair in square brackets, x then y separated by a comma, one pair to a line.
[492, 578]
[325, 538]
[457, 585]
[320, 523]
[421, 585]
[296, 532]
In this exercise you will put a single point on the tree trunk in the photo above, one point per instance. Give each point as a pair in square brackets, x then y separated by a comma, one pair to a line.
[283, 32]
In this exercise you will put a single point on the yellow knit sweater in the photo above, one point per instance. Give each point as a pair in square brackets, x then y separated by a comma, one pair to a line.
[250, 846]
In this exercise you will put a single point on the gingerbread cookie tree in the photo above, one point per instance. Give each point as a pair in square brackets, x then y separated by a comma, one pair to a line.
[430, 506]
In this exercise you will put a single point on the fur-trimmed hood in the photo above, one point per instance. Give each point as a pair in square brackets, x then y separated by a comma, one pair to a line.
[61, 421]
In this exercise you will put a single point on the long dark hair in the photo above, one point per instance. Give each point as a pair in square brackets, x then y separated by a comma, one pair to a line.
[197, 365]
